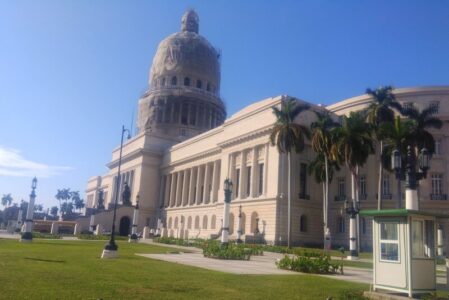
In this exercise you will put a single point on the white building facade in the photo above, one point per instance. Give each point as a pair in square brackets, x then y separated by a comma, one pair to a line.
[186, 147]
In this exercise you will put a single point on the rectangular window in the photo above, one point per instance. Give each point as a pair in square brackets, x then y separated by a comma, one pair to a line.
[407, 105]
[438, 147]
[237, 182]
[389, 241]
[341, 187]
[418, 239]
[168, 112]
[248, 181]
[200, 116]
[386, 185]
[192, 120]
[362, 186]
[184, 113]
[177, 108]
[303, 181]
[261, 179]
[437, 184]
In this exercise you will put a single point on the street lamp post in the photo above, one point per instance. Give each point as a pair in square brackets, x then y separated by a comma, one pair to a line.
[133, 238]
[352, 209]
[27, 235]
[409, 173]
[239, 227]
[110, 249]
[226, 208]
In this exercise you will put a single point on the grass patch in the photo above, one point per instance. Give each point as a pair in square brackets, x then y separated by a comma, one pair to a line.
[61, 269]
[102, 237]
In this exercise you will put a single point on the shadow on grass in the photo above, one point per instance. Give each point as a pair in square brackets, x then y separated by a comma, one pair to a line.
[45, 260]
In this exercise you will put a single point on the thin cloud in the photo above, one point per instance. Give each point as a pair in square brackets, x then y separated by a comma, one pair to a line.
[12, 163]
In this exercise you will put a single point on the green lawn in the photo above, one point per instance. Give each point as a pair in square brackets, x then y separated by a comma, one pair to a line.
[57, 269]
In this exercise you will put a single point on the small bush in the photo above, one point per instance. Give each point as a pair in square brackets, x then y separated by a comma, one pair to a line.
[102, 237]
[180, 242]
[232, 251]
[40, 235]
[351, 295]
[308, 262]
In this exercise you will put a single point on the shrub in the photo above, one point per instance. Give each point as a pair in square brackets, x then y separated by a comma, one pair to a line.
[232, 250]
[102, 237]
[180, 242]
[308, 262]
[40, 235]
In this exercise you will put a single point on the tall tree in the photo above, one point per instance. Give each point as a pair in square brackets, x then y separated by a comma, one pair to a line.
[7, 200]
[396, 135]
[63, 195]
[353, 145]
[54, 211]
[423, 120]
[289, 136]
[322, 140]
[379, 112]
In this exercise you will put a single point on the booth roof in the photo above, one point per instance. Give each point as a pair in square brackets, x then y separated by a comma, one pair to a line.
[399, 213]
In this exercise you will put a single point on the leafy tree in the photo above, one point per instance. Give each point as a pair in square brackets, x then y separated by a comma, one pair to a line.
[288, 136]
[322, 140]
[7, 200]
[63, 195]
[396, 135]
[54, 211]
[38, 207]
[423, 120]
[379, 112]
[79, 204]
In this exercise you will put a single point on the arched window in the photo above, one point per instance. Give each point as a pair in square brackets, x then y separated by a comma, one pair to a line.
[169, 222]
[303, 224]
[231, 223]
[189, 222]
[205, 222]
[197, 222]
[186, 81]
[174, 80]
[213, 222]
[183, 220]
[176, 222]
[341, 224]
[199, 84]
[255, 222]
[208, 87]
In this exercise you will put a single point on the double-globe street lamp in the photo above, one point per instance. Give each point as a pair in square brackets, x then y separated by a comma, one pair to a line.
[27, 235]
[110, 249]
[409, 173]
[226, 208]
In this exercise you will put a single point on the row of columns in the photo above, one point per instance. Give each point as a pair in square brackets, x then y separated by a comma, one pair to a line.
[192, 186]
[240, 179]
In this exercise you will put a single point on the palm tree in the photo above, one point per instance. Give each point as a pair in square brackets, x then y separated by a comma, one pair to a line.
[353, 145]
[423, 120]
[7, 200]
[287, 136]
[63, 195]
[396, 135]
[379, 112]
[322, 139]
[54, 211]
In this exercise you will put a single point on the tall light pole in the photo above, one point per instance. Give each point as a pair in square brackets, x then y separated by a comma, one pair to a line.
[239, 226]
[409, 173]
[226, 208]
[27, 235]
[110, 249]
[352, 209]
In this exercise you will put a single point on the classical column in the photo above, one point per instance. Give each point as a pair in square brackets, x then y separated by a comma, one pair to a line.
[162, 191]
[242, 191]
[179, 188]
[265, 169]
[206, 194]
[174, 178]
[134, 238]
[215, 180]
[92, 222]
[198, 185]
[192, 186]
[168, 178]
[440, 242]
[253, 187]
[185, 188]
[231, 170]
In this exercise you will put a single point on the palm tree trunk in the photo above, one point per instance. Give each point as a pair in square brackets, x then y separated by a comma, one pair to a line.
[379, 183]
[326, 195]
[289, 217]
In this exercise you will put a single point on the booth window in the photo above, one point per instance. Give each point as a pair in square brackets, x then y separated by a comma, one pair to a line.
[423, 239]
[389, 241]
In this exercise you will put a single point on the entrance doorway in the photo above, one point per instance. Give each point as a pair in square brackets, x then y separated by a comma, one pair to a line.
[124, 226]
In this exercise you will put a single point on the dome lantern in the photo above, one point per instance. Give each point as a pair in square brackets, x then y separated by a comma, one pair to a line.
[190, 21]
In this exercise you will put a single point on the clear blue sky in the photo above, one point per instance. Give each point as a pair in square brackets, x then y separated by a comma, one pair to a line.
[71, 72]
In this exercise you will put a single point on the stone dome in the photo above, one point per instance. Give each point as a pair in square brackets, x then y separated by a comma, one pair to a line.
[183, 99]
[186, 54]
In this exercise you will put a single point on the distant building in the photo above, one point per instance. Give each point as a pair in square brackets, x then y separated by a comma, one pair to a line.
[186, 146]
